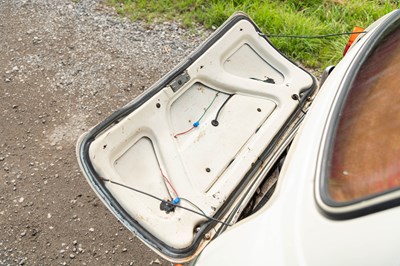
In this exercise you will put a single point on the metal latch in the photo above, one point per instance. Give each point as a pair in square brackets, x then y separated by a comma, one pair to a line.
[179, 81]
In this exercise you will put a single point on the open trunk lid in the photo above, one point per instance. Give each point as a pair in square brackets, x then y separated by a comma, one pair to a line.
[177, 165]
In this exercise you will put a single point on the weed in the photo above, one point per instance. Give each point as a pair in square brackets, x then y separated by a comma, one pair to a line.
[292, 17]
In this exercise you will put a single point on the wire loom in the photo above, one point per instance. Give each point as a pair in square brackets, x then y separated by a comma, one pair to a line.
[173, 203]
[197, 123]
[310, 36]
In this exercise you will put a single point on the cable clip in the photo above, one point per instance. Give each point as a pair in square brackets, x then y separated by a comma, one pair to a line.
[176, 201]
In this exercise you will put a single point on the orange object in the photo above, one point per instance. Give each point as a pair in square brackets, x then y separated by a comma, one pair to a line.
[357, 30]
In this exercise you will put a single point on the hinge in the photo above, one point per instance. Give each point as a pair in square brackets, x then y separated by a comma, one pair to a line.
[179, 81]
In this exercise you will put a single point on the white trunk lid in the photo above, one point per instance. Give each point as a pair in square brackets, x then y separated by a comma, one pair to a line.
[206, 133]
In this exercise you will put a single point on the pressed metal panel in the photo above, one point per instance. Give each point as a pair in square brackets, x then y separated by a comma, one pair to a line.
[202, 137]
[366, 152]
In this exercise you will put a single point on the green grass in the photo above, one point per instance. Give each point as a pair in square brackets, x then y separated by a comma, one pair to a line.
[294, 17]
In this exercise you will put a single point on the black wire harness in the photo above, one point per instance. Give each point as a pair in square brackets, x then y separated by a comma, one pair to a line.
[169, 203]
[310, 36]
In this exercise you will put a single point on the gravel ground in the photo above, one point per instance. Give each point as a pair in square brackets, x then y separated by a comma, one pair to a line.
[64, 67]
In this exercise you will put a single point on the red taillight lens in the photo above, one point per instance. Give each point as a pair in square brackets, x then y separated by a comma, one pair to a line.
[352, 38]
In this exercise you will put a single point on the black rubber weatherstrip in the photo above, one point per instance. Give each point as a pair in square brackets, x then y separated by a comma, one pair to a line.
[118, 211]
[381, 32]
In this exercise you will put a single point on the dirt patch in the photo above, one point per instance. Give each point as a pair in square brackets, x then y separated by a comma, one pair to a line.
[64, 67]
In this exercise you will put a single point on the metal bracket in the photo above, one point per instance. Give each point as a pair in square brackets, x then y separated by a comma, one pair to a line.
[179, 81]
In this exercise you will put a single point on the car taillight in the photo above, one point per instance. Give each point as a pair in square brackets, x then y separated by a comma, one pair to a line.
[357, 30]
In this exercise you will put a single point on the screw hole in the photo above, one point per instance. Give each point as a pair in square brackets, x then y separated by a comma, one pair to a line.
[158, 105]
[208, 170]
[258, 109]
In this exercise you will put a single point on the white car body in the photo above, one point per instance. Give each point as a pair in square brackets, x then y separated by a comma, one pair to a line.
[292, 228]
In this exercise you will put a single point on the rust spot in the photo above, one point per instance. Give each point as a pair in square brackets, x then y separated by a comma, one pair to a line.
[200, 136]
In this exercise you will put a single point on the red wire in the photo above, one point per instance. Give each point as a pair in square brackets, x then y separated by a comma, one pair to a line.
[184, 132]
[166, 179]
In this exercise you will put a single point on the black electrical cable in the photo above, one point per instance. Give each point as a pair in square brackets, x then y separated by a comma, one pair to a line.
[310, 36]
[301, 107]
[194, 205]
[297, 98]
[215, 121]
[202, 213]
